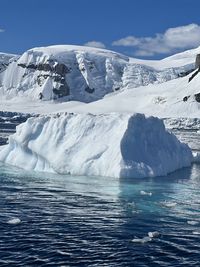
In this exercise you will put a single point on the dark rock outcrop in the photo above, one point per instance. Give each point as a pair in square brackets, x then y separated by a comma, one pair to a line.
[89, 90]
[185, 98]
[194, 74]
[197, 97]
[56, 71]
[54, 67]
[197, 62]
[63, 90]
[185, 73]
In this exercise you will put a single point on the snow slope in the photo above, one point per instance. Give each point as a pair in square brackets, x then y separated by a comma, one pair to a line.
[175, 61]
[163, 100]
[105, 145]
[81, 73]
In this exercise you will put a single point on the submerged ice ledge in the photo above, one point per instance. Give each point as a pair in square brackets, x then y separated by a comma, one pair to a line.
[113, 145]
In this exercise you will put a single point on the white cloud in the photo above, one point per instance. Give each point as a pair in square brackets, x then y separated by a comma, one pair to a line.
[2, 30]
[128, 41]
[95, 44]
[173, 39]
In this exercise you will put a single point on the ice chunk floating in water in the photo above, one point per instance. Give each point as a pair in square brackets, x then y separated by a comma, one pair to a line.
[196, 232]
[153, 234]
[144, 193]
[142, 240]
[14, 221]
[146, 239]
[112, 145]
[169, 204]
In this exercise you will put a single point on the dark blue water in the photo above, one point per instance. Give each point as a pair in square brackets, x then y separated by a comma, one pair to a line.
[81, 221]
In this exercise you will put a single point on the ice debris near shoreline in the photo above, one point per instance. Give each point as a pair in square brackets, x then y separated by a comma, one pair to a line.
[112, 145]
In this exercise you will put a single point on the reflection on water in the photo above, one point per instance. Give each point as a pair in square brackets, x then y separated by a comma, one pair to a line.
[91, 221]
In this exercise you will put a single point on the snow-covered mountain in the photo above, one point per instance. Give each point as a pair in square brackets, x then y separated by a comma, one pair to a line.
[4, 60]
[83, 74]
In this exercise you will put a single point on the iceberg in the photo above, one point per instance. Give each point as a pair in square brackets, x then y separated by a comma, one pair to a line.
[111, 145]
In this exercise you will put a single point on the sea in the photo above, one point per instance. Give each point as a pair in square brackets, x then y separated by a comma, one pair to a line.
[58, 220]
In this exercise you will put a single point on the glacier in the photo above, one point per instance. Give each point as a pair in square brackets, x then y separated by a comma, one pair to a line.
[111, 145]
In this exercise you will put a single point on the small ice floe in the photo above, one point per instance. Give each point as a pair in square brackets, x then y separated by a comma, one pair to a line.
[192, 222]
[144, 193]
[196, 232]
[14, 221]
[169, 204]
[196, 157]
[142, 240]
[153, 234]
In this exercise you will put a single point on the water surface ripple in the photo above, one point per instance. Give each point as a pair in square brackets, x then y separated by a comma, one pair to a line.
[52, 220]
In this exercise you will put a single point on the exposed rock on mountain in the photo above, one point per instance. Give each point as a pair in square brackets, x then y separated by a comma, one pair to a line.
[197, 62]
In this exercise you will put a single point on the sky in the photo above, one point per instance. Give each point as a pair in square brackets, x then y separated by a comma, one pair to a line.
[148, 29]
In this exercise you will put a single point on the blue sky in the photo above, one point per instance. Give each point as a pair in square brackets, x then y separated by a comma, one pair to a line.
[140, 28]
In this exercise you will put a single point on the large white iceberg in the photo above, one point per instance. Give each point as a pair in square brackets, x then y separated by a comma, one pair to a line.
[114, 145]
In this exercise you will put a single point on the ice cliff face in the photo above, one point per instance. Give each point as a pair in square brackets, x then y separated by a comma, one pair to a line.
[5, 60]
[77, 73]
[98, 145]
[136, 75]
